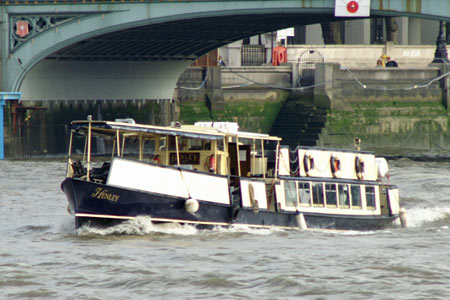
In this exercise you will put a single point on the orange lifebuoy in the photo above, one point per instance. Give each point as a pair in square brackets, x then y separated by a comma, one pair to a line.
[335, 164]
[308, 163]
[359, 167]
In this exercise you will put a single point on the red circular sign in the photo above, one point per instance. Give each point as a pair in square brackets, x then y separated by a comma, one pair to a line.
[352, 7]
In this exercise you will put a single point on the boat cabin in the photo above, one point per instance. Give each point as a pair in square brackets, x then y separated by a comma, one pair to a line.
[217, 164]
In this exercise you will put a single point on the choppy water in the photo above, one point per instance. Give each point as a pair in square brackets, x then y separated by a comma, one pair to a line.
[43, 257]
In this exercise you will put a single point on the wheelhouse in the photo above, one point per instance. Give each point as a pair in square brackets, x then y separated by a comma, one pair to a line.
[221, 151]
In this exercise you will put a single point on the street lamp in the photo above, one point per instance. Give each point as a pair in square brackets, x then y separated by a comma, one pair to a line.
[440, 55]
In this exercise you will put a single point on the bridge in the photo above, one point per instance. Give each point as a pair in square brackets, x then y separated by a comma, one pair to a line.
[137, 49]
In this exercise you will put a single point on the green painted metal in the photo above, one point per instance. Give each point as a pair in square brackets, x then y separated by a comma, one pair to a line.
[405, 6]
[97, 18]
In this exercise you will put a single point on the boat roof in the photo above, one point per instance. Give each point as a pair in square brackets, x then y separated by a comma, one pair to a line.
[189, 131]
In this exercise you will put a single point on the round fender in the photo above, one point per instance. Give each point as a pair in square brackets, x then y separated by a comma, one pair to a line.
[191, 206]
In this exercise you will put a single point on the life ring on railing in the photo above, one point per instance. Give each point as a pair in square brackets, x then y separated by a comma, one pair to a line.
[308, 163]
[359, 167]
[335, 164]
[211, 163]
[156, 160]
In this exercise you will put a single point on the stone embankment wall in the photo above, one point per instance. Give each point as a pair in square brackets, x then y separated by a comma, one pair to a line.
[391, 110]
[251, 96]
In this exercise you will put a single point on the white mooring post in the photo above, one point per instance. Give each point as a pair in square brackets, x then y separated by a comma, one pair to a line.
[3, 97]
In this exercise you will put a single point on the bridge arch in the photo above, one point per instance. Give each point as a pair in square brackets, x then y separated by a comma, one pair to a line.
[105, 26]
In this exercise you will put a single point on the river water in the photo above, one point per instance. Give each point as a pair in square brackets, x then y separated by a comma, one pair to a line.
[43, 257]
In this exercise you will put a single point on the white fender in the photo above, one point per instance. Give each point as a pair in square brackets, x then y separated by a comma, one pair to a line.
[191, 206]
[382, 167]
[301, 223]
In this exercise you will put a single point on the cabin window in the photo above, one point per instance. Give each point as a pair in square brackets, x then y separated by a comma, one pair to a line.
[317, 189]
[330, 192]
[172, 143]
[356, 196]
[290, 193]
[195, 144]
[304, 193]
[344, 197]
[220, 145]
[370, 197]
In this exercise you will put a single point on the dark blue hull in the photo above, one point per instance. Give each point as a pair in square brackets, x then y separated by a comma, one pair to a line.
[101, 205]
[84, 202]
[340, 222]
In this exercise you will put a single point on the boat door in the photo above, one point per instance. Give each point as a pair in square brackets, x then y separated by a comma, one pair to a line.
[239, 164]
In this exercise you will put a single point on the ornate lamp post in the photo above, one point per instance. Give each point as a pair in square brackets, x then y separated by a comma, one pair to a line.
[440, 55]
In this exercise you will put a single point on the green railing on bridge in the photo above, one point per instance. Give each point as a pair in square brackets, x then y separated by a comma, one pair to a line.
[33, 2]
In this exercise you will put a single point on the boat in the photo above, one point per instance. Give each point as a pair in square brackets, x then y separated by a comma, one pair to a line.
[212, 174]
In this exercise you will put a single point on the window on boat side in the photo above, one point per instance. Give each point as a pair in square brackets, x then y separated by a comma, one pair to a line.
[192, 144]
[356, 196]
[317, 189]
[344, 196]
[220, 145]
[290, 193]
[330, 193]
[149, 148]
[172, 143]
[370, 197]
[304, 193]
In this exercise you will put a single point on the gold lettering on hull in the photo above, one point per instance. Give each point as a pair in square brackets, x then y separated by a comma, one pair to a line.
[101, 193]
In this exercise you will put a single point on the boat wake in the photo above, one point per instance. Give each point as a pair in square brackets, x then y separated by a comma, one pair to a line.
[428, 216]
[139, 226]
[144, 226]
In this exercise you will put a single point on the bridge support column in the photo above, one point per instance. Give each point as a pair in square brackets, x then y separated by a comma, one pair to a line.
[414, 31]
[3, 97]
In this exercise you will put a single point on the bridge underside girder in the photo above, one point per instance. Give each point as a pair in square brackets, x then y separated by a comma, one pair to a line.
[179, 40]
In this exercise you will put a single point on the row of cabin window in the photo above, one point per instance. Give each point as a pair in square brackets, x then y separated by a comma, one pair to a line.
[328, 194]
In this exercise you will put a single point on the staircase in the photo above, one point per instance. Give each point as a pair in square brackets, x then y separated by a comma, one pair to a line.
[299, 124]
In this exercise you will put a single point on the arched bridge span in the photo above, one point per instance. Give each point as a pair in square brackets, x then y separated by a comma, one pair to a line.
[139, 49]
